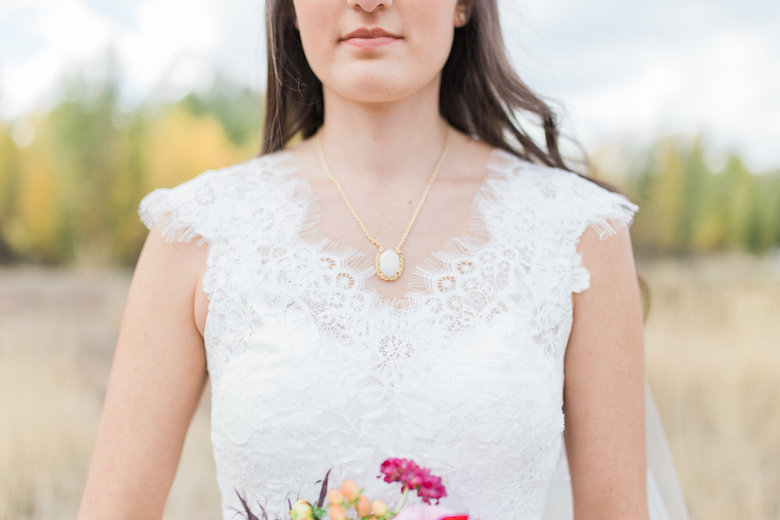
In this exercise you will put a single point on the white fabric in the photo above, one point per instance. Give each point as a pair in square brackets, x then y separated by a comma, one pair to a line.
[311, 369]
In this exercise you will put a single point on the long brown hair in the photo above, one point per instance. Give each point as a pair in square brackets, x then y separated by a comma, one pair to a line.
[480, 95]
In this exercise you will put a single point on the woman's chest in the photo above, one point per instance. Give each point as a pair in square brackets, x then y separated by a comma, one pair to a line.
[291, 307]
[291, 375]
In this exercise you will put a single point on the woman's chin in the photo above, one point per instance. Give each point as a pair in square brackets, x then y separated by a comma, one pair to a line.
[375, 88]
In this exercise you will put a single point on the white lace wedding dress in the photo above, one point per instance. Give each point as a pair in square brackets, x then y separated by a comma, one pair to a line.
[311, 369]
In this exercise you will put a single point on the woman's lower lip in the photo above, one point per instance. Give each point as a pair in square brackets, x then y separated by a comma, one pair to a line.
[370, 43]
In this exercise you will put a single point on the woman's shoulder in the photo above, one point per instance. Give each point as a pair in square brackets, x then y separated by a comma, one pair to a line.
[562, 197]
[546, 180]
[239, 177]
[197, 206]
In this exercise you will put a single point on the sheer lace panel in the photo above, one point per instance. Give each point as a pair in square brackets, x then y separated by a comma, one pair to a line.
[436, 274]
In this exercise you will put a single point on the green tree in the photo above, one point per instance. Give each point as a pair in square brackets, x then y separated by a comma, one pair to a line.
[10, 182]
[83, 137]
[129, 185]
[661, 195]
[237, 108]
[737, 207]
[687, 207]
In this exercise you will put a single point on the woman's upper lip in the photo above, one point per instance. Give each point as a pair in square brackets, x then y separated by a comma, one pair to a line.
[364, 32]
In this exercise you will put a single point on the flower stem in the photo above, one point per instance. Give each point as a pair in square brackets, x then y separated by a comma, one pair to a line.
[400, 502]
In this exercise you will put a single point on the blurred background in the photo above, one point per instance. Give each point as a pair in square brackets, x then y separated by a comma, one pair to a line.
[676, 103]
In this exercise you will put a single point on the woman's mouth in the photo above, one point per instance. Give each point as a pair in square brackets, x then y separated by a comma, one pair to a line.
[365, 38]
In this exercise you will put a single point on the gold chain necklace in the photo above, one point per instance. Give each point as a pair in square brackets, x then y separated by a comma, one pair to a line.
[389, 264]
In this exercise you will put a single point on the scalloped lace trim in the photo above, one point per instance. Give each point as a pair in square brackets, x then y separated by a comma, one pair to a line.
[605, 226]
[155, 209]
[426, 274]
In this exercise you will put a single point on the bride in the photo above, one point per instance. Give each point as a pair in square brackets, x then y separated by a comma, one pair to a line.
[404, 271]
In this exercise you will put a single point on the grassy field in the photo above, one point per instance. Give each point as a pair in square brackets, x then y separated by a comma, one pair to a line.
[713, 364]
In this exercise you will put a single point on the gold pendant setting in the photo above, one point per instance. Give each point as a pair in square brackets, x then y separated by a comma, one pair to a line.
[389, 264]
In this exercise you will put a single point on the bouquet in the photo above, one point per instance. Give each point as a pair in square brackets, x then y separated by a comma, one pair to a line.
[350, 496]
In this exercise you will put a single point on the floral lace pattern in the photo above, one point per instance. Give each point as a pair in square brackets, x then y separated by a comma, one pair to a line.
[312, 369]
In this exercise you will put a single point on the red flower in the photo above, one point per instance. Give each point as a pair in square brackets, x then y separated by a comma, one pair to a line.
[414, 477]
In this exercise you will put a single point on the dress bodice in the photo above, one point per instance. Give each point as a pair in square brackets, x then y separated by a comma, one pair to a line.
[311, 369]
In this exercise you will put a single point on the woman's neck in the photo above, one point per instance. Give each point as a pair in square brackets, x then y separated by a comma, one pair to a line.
[386, 142]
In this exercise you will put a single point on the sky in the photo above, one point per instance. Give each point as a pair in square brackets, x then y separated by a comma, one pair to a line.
[616, 70]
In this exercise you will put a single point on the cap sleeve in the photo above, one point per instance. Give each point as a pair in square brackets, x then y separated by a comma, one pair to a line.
[599, 209]
[184, 212]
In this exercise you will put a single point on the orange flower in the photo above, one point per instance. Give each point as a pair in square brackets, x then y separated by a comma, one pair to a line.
[337, 512]
[363, 506]
[335, 496]
[379, 507]
[350, 490]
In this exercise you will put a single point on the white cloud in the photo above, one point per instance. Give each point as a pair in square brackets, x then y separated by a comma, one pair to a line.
[668, 67]
[71, 27]
[170, 45]
[68, 33]
[20, 83]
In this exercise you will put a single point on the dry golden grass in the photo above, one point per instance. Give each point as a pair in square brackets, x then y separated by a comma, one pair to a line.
[713, 364]
[57, 334]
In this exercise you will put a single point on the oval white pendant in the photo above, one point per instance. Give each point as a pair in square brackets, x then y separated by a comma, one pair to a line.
[388, 264]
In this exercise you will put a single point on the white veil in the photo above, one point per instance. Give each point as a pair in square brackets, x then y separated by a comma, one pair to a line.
[664, 496]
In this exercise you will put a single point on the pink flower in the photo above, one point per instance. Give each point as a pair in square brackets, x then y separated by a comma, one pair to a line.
[431, 488]
[414, 477]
